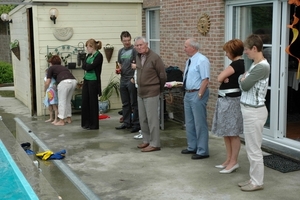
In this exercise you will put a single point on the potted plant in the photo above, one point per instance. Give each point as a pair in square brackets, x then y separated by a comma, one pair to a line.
[108, 50]
[15, 48]
[63, 58]
[112, 86]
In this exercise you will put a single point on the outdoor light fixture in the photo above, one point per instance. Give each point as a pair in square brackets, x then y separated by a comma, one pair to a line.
[53, 14]
[6, 18]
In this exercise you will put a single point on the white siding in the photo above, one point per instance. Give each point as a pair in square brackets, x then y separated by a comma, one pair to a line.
[21, 67]
[101, 21]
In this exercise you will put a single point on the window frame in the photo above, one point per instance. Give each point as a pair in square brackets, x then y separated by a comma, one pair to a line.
[148, 33]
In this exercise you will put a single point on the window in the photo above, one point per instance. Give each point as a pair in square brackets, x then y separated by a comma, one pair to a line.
[152, 29]
[255, 19]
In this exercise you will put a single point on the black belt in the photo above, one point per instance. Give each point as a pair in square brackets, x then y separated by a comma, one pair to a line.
[193, 90]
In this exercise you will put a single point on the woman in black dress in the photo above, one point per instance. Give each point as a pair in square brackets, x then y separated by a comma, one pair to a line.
[91, 85]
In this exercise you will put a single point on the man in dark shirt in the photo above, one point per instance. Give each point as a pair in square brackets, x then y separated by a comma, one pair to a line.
[128, 90]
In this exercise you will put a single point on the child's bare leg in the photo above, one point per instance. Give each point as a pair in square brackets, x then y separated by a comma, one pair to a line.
[55, 108]
[50, 114]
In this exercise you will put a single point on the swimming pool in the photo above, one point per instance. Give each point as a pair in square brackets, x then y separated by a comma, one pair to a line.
[14, 186]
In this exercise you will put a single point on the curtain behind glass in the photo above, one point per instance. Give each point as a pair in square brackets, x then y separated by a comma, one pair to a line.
[154, 31]
[253, 19]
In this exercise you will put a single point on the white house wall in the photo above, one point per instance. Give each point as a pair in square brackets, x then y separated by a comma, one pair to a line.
[18, 31]
[101, 21]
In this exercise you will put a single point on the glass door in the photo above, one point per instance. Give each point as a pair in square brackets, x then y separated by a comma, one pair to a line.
[270, 18]
[248, 18]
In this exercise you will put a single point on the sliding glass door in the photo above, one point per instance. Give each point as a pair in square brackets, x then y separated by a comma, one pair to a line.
[261, 17]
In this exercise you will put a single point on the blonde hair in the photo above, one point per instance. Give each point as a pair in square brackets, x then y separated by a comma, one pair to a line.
[94, 44]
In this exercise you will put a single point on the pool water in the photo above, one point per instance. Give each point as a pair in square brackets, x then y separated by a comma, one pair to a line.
[13, 185]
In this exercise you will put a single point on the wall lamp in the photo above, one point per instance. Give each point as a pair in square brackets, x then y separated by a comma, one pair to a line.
[6, 18]
[53, 14]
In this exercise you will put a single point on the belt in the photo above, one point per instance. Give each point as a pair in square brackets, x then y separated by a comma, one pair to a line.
[193, 90]
[224, 92]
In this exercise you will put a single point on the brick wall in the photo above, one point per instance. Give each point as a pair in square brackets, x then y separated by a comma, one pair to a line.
[151, 3]
[5, 53]
[178, 22]
[143, 23]
[148, 4]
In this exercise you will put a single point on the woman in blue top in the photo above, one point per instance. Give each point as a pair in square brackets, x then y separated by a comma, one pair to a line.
[91, 88]
[228, 120]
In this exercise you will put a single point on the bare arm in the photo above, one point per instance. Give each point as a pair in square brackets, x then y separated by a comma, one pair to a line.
[47, 83]
[225, 74]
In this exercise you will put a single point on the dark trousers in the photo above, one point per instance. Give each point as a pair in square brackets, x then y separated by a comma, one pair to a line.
[90, 105]
[128, 93]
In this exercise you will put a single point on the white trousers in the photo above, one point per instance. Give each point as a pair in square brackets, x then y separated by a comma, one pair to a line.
[65, 91]
[254, 120]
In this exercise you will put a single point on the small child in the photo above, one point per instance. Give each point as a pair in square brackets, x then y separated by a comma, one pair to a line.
[51, 100]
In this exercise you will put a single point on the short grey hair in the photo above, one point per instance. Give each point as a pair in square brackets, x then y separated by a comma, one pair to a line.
[140, 38]
[193, 42]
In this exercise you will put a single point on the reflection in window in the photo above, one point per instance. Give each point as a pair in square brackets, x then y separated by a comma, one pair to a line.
[254, 19]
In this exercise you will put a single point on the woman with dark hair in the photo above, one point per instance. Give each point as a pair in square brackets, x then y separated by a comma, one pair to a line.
[66, 84]
[91, 88]
[228, 120]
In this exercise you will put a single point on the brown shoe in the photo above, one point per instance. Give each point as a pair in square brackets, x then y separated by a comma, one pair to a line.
[150, 148]
[143, 145]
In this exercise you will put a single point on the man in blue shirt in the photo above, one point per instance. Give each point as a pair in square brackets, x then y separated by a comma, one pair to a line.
[195, 82]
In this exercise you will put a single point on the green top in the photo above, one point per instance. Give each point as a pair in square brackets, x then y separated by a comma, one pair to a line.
[91, 75]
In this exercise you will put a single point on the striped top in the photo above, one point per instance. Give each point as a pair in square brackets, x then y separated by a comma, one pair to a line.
[254, 86]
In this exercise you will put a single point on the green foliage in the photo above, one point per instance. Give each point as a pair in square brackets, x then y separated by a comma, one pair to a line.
[262, 12]
[14, 44]
[6, 8]
[113, 85]
[49, 55]
[64, 59]
[6, 73]
[5, 93]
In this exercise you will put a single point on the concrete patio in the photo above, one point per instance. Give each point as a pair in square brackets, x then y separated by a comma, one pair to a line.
[109, 164]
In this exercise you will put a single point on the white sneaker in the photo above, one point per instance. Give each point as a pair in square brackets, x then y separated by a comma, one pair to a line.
[139, 136]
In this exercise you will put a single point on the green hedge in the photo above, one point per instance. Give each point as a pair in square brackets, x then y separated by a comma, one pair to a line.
[6, 73]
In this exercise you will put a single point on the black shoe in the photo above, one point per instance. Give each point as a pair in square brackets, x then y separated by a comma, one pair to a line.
[185, 151]
[196, 156]
[120, 112]
[86, 127]
[123, 126]
[135, 129]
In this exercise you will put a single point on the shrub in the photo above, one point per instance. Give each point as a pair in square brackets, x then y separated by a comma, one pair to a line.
[6, 73]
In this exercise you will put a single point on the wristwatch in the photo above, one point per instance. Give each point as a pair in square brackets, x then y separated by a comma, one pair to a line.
[199, 95]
